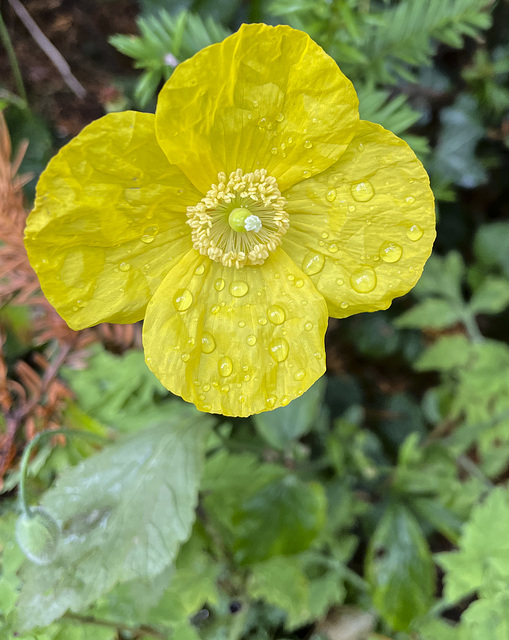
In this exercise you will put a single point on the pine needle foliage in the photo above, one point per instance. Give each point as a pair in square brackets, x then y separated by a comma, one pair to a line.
[164, 41]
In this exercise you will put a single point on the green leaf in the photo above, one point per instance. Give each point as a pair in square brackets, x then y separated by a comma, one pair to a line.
[280, 582]
[491, 246]
[123, 513]
[281, 518]
[287, 424]
[446, 354]
[400, 568]
[486, 618]
[482, 561]
[492, 296]
[432, 313]
[442, 276]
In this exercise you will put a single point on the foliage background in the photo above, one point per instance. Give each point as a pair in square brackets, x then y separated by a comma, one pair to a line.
[375, 506]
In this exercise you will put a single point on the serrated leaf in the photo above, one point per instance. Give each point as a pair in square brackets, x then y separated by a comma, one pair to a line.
[280, 582]
[432, 313]
[123, 512]
[400, 568]
[287, 424]
[482, 560]
[281, 518]
[492, 296]
[486, 618]
[442, 276]
[446, 354]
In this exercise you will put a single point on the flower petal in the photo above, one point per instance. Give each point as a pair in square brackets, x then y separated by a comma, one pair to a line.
[265, 98]
[236, 341]
[109, 221]
[363, 229]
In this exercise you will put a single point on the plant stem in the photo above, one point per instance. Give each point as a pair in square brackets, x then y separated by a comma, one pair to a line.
[135, 631]
[472, 327]
[28, 452]
[11, 54]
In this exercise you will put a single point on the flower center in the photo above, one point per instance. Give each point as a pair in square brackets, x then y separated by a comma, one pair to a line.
[240, 220]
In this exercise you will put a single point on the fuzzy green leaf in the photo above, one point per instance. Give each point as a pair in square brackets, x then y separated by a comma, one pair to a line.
[432, 313]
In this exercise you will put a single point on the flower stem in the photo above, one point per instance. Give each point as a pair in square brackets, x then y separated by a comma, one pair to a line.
[11, 54]
[43, 435]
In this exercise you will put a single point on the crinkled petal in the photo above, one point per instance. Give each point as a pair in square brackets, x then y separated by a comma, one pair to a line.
[236, 341]
[264, 98]
[109, 221]
[363, 229]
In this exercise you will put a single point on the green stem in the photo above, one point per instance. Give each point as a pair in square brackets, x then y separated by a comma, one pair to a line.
[11, 54]
[43, 435]
[472, 327]
[135, 631]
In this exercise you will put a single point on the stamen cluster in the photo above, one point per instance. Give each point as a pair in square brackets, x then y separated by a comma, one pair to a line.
[213, 236]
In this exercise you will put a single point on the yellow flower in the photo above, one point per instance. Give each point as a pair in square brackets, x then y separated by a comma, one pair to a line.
[252, 206]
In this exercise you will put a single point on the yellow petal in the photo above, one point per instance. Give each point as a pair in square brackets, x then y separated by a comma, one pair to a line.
[265, 98]
[363, 229]
[109, 221]
[236, 341]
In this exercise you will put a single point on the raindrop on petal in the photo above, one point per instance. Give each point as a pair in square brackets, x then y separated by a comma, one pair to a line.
[278, 349]
[363, 280]
[276, 314]
[124, 266]
[308, 144]
[362, 191]
[414, 233]
[182, 300]
[299, 375]
[331, 195]
[225, 366]
[313, 263]
[208, 344]
[219, 284]
[390, 252]
[251, 340]
[239, 288]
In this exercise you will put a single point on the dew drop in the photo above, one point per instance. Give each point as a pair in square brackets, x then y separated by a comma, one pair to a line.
[182, 300]
[325, 235]
[414, 233]
[208, 344]
[290, 140]
[280, 117]
[390, 252]
[219, 284]
[351, 208]
[306, 174]
[251, 340]
[299, 284]
[344, 305]
[340, 282]
[215, 309]
[149, 234]
[239, 288]
[313, 263]
[333, 248]
[262, 321]
[242, 324]
[274, 151]
[278, 349]
[299, 375]
[225, 366]
[271, 401]
[308, 326]
[225, 389]
[308, 144]
[331, 195]
[255, 103]
[124, 266]
[199, 271]
[185, 357]
[206, 388]
[284, 401]
[410, 200]
[276, 314]
[362, 191]
[363, 280]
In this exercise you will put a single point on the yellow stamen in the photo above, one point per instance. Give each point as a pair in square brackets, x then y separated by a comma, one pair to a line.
[240, 220]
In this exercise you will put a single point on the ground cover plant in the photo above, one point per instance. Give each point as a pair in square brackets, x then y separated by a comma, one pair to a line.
[372, 506]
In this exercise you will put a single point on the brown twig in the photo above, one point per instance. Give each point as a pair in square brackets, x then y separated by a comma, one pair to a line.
[49, 49]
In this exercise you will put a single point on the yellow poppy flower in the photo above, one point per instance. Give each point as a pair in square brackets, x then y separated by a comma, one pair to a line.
[234, 221]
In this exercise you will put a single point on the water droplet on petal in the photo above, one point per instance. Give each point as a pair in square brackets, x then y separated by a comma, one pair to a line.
[299, 375]
[206, 388]
[390, 252]
[255, 103]
[344, 305]
[410, 200]
[276, 314]
[199, 270]
[351, 208]
[219, 284]
[299, 284]
[340, 281]
[208, 344]
[262, 321]
[414, 233]
[274, 151]
[308, 326]
[313, 263]
[363, 280]
[271, 401]
[225, 366]
[333, 248]
[308, 144]
[242, 324]
[185, 357]
[306, 174]
[251, 340]
[149, 234]
[362, 191]
[325, 235]
[215, 309]
[239, 288]
[280, 117]
[278, 349]
[331, 195]
[124, 266]
[182, 300]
